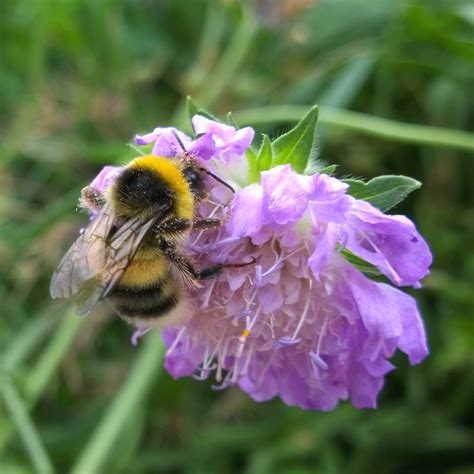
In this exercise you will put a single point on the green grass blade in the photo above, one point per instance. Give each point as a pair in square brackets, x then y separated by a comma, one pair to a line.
[26, 429]
[224, 71]
[26, 341]
[38, 378]
[141, 378]
[48, 362]
[230, 61]
[364, 123]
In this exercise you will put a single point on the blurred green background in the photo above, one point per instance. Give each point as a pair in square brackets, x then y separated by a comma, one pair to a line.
[79, 77]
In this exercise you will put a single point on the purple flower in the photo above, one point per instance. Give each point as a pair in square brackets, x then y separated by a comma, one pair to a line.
[301, 322]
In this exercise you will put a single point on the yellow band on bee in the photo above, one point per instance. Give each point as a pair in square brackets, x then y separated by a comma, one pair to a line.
[171, 174]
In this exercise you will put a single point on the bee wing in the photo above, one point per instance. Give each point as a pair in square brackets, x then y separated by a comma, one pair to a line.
[86, 257]
[119, 252]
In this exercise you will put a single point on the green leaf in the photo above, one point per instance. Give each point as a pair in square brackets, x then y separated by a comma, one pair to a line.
[191, 108]
[329, 169]
[315, 165]
[361, 264]
[295, 146]
[254, 172]
[265, 154]
[383, 192]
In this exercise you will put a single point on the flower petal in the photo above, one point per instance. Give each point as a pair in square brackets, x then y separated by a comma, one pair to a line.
[165, 142]
[183, 360]
[106, 177]
[287, 194]
[225, 137]
[389, 313]
[325, 240]
[247, 208]
[391, 243]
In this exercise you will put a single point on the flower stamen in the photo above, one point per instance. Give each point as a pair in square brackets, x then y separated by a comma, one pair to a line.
[305, 312]
[176, 341]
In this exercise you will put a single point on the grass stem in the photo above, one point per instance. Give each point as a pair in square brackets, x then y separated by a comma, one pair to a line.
[364, 123]
[141, 378]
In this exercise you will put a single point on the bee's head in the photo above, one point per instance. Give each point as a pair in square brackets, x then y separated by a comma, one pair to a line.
[195, 176]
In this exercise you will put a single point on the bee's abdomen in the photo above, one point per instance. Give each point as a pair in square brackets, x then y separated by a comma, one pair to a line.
[145, 302]
[147, 290]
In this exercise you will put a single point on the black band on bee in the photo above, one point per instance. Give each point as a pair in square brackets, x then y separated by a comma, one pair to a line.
[158, 309]
[155, 299]
[138, 292]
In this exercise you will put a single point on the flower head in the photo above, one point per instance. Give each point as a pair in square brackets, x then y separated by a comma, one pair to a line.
[302, 322]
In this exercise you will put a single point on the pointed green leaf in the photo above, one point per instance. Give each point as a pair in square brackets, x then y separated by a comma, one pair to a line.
[295, 146]
[254, 172]
[265, 154]
[383, 192]
[316, 165]
[191, 108]
[361, 264]
[329, 169]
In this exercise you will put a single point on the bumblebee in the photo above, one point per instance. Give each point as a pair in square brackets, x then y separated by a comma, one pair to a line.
[131, 254]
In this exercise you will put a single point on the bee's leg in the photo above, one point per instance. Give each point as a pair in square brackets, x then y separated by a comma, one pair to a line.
[206, 223]
[176, 227]
[215, 270]
[180, 262]
[91, 198]
[186, 268]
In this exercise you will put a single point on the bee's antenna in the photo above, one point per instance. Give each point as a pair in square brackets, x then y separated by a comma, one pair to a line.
[227, 185]
[180, 142]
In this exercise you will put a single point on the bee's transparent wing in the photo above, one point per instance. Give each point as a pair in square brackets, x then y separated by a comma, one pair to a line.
[86, 257]
[120, 251]
[94, 264]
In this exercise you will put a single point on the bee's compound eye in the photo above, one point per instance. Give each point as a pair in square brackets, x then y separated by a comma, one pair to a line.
[191, 175]
[196, 183]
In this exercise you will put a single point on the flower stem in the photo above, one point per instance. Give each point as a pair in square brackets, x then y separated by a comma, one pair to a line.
[371, 125]
[141, 378]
